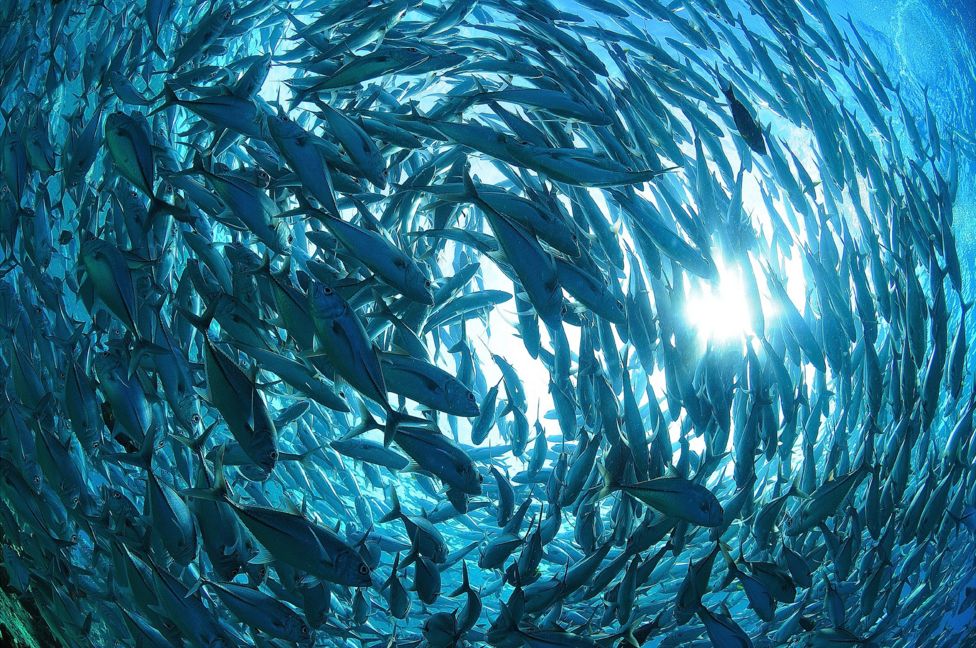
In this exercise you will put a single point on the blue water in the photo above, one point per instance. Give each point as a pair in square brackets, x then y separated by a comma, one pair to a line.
[728, 411]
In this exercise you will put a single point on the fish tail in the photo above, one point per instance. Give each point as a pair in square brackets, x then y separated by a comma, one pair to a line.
[200, 582]
[465, 583]
[168, 95]
[368, 423]
[394, 420]
[264, 268]
[795, 491]
[869, 468]
[142, 458]
[159, 206]
[393, 574]
[411, 558]
[395, 513]
[199, 322]
[220, 490]
[197, 444]
[159, 50]
[507, 621]
[469, 187]
[305, 457]
[609, 485]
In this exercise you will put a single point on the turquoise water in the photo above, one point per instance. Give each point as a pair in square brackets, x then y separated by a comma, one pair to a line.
[626, 396]
[930, 44]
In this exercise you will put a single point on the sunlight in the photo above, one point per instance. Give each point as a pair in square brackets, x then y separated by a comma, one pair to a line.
[720, 312]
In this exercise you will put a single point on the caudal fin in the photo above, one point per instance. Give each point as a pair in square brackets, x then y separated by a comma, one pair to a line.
[609, 484]
[168, 95]
[394, 420]
[396, 512]
[465, 583]
[220, 490]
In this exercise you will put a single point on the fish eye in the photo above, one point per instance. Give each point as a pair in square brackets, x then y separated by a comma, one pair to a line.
[305, 630]
[427, 283]
[195, 418]
[328, 291]
[363, 569]
[116, 495]
[274, 455]
[470, 396]
[620, 305]
[159, 446]
[37, 480]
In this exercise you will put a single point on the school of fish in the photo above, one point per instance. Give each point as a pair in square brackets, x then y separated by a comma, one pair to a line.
[363, 323]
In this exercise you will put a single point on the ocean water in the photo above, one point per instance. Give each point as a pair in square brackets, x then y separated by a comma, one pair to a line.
[498, 322]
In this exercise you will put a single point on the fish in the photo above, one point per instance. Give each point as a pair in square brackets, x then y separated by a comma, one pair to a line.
[459, 323]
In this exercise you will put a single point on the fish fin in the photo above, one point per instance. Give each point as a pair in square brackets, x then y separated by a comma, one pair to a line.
[141, 459]
[199, 322]
[159, 206]
[368, 423]
[795, 491]
[198, 443]
[262, 557]
[395, 512]
[201, 493]
[410, 559]
[465, 583]
[254, 399]
[291, 507]
[169, 98]
[393, 420]
[220, 491]
[204, 395]
[196, 586]
[414, 467]
[609, 485]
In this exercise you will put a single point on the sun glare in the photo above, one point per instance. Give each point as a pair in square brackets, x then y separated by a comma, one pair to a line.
[720, 312]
